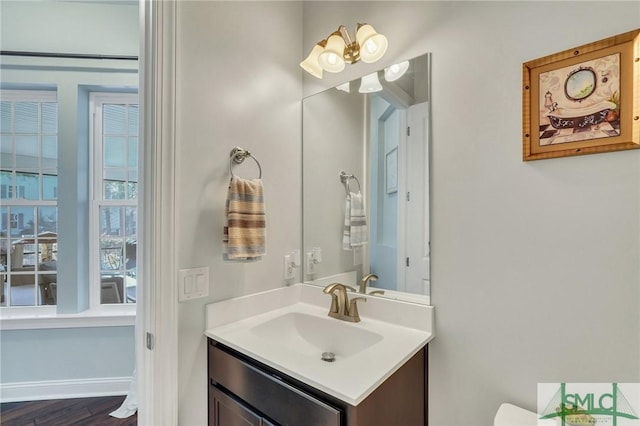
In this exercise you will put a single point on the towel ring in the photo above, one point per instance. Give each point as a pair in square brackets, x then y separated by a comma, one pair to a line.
[238, 155]
[346, 179]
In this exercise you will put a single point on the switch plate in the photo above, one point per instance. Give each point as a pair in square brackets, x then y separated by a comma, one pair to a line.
[193, 283]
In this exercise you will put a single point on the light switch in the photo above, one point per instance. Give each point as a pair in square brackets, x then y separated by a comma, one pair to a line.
[200, 283]
[188, 285]
[193, 283]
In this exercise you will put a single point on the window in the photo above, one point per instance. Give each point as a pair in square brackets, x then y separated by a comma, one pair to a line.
[28, 192]
[114, 197]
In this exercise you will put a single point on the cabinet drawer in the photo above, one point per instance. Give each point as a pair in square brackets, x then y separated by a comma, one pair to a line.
[283, 403]
[226, 411]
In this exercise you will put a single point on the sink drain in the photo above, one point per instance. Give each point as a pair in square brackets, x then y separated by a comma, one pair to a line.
[328, 356]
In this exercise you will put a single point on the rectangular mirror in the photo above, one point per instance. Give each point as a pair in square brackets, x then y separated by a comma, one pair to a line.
[369, 136]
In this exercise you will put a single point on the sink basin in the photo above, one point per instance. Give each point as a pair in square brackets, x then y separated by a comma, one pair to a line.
[312, 335]
[288, 329]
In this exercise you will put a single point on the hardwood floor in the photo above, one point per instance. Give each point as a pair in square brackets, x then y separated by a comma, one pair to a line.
[64, 412]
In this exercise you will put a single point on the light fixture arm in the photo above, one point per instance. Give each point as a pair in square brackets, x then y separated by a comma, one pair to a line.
[352, 49]
[345, 34]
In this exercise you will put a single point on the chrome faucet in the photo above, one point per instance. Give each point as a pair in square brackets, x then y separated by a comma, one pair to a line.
[341, 307]
[365, 280]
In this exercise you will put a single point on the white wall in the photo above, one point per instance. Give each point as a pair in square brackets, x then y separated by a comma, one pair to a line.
[36, 356]
[70, 27]
[535, 267]
[238, 84]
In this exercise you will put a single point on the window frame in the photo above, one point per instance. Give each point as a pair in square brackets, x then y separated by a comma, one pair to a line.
[96, 101]
[48, 95]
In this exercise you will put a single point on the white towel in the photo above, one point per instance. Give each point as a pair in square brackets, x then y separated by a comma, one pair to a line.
[130, 404]
[355, 222]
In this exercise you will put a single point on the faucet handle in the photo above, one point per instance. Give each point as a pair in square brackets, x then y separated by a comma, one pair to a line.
[334, 304]
[353, 308]
[348, 287]
[338, 298]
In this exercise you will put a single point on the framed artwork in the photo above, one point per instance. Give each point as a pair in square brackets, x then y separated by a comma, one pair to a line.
[391, 175]
[584, 100]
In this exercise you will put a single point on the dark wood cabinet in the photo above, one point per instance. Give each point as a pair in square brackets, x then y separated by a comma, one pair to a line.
[225, 410]
[244, 392]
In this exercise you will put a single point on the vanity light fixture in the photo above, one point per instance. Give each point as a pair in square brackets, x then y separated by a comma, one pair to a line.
[333, 53]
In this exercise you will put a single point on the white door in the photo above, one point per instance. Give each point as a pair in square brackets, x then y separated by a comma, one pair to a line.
[383, 242]
[416, 199]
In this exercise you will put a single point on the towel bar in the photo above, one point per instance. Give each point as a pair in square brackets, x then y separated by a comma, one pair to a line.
[346, 179]
[238, 155]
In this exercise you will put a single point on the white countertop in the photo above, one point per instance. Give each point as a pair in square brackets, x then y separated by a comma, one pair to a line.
[394, 332]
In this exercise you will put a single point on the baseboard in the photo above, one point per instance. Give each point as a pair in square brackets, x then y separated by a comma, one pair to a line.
[64, 389]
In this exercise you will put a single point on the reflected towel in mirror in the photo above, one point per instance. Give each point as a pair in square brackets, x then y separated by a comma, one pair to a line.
[244, 236]
[355, 222]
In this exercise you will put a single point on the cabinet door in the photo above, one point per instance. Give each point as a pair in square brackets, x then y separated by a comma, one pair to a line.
[226, 411]
[283, 402]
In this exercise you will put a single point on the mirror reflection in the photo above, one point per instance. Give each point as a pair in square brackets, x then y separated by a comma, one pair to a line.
[366, 183]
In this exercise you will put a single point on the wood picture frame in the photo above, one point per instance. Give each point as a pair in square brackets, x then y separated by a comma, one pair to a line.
[583, 100]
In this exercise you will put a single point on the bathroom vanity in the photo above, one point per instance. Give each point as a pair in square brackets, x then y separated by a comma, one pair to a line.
[244, 391]
[266, 366]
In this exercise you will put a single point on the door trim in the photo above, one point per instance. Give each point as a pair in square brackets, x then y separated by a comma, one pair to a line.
[157, 368]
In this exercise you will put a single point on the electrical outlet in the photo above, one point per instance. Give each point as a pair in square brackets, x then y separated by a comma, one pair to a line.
[311, 264]
[288, 267]
[295, 258]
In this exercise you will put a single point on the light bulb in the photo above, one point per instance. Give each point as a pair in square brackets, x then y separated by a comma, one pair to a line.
[371, 46]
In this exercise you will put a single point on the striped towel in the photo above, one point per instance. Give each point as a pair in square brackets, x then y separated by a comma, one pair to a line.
[355, 222]
[244, 228]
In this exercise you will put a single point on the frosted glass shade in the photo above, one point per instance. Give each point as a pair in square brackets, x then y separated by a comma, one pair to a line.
[344, 87]
[372, 45]
[311, 64]
[332, 58]
[396, 71]
[370, 83]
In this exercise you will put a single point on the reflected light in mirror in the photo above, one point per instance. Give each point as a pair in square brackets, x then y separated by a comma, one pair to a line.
[344, 87]
[370, 84]
[396, 71]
